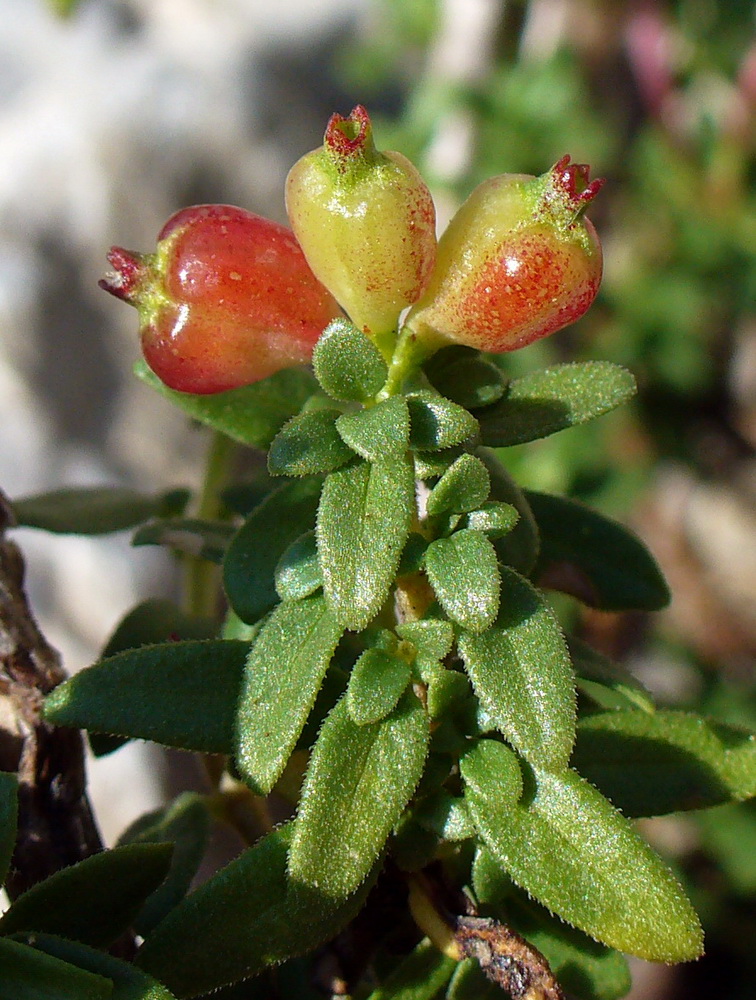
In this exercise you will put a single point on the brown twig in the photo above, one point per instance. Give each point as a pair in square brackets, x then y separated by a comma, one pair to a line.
[56, 827]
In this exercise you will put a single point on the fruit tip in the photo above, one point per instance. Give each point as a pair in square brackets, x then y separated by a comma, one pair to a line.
[350, 136]
[125, 278]
[574, 180]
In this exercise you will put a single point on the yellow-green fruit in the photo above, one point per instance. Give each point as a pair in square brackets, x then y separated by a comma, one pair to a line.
[365, 221]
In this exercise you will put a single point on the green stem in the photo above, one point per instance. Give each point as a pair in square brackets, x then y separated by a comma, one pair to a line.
[201, 577]
[411, 351]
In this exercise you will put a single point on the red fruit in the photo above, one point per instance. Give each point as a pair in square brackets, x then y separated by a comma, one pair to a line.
[518, 261]
[226, 300]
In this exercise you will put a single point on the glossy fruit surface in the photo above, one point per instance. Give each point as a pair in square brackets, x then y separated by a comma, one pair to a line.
[226, 300]
[518, 261]
[366, 222]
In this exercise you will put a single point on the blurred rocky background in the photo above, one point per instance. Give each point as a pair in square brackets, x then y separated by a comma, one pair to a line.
[115, 113]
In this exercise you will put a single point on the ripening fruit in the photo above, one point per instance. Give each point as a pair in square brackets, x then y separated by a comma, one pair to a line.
[226, 300]
[518, 261]
[366, 222]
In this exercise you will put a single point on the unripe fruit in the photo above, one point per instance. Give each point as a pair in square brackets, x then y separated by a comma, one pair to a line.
[366, 222]
[226, 300]
[517, 262]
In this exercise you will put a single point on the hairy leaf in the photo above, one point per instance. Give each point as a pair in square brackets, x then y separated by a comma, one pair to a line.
[185, 823]
[129, 983]
[581, 965]
[359, 780]
[245, 917]
[363, 522]
[464, 574]
[521, 671]
[378, 431]
[252, 415]
[96, 510]
[347, 363]
[297, 573]
[567, 846]
[377, 682]
[649, 765]
[593, 558]
[283, 673]
[95, 900]
[28, 974]
[464, 486]
[543, 402]
[182, 694]
[466, 377]
[437, 423]
[308, 443]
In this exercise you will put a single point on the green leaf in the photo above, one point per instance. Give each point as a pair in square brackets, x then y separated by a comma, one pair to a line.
[359, 780]
[347, 364]
[252, 415]
[469, 982]
[607, 566]
[432, 464]
[519, 547]
[247, 916]
[437, 423]
[420, 976]
[446, 814]
[249, 569]
[411, 559]
[129, 983]
[728, 836]
[127, 695]
[521, 671]
[190, 535]
[649, 765]
[153, 621]
[308, 443]
[464, 574]
[98, 510]
[567, 846]
[282, 676]
[463, 487]
[28, 974]
[297, 573]
[377, 682]
[494, 519]
[547, 401]
[95, 900]
[432, 637]
[607, 683]
[8, 820]
[448, 691]
[363, 522]
[378, 431]
[466, 377]
[582, 966]
[185, 823]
